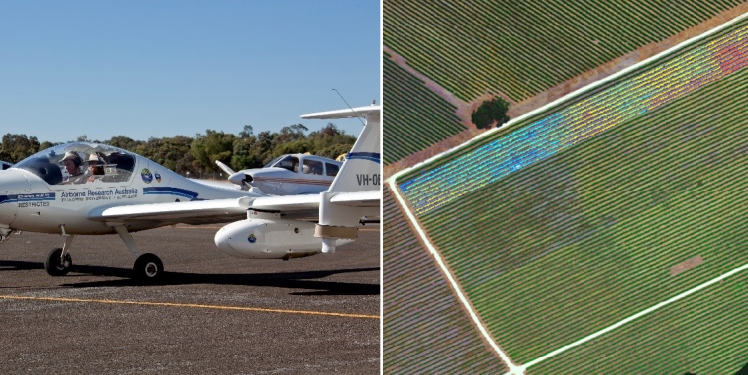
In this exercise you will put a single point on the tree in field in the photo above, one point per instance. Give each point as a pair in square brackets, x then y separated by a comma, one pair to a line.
[490, 111]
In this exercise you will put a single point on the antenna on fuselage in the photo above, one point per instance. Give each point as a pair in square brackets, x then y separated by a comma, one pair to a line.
[349, 106]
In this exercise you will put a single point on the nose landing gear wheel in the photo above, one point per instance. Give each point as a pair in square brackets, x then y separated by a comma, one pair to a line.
[148, 267]
[54, 266]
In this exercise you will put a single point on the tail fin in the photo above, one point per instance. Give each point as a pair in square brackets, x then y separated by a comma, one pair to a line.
[361, 170]
[356, 190]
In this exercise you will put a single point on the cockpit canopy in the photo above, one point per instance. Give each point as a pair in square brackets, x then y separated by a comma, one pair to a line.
[107, 163]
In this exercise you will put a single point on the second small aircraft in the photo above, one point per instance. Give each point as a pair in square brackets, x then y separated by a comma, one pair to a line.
[287, 175]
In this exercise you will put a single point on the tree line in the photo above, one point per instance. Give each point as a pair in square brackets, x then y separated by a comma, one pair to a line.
[198, 154]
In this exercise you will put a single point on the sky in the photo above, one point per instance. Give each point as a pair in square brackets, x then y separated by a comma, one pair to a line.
[163, 68]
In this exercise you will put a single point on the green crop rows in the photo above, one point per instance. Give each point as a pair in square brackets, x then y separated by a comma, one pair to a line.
[566, 104]
[415, 117]
[585, 238]
[523, 48]
[425, 328]
[704, 333]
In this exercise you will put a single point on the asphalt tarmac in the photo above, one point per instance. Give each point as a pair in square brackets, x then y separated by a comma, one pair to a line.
[212, 313]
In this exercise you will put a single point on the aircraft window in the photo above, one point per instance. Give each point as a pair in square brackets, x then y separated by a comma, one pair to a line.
[268, 165]
[289, 162]
[80, 163]
[312, 167]
[332, 169]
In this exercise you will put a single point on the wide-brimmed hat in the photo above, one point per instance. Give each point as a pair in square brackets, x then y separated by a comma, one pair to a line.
[72, 155]
[95, 159]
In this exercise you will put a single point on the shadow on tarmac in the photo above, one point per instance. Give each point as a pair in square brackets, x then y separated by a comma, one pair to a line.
[290, 280]
[14, 265]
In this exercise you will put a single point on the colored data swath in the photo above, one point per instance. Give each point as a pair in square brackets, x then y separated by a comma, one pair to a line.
[638, 95]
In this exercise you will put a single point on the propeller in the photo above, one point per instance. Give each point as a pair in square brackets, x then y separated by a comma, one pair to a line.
[236, 178]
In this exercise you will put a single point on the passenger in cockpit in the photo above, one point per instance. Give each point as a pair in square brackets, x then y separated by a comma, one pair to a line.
[72, 162]
[95, 168]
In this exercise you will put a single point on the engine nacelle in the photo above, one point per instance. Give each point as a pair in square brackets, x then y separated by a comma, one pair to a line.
[269, 239]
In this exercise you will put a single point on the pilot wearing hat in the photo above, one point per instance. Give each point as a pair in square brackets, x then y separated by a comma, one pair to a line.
[95, 167]
[72, 162]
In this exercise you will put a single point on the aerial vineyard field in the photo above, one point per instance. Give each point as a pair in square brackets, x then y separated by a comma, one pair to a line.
[425, 328]
[523, 48]
[415, 117]
[571, 221]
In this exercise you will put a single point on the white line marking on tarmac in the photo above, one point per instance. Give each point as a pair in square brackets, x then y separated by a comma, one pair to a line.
[456, 287]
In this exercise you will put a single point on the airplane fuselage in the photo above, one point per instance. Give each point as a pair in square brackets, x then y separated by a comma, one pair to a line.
[28, 203]
[291, 174]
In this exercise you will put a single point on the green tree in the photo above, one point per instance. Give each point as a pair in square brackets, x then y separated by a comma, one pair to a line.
[243, 156]
[491, 110]
[330, 142]
[262, 150]
[16, 147]
[171, 152]
[247, 132]
[334, 151]
[211, 147]
[296, 147]
[123, 142]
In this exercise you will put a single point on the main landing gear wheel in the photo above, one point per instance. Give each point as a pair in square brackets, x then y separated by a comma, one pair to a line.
[54, 266]
[148, 267]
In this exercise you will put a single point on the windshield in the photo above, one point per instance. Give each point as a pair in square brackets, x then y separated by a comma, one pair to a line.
[80, 163]
[289, 162]
[270, 164]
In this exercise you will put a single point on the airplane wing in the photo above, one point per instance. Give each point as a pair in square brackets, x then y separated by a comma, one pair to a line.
[310, 202]
[192, 212]
[286, 203]
[228, 210]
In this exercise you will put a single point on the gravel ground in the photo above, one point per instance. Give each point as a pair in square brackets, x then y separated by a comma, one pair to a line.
[62, 336]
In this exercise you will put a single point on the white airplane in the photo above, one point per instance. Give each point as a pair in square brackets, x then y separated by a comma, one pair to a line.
[4, 165]
[85, 188]
[355, 194]
[287, 175]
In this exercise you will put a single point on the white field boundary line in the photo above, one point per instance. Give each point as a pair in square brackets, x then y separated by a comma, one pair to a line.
[570, 95]
[633, 317]
[512, 367]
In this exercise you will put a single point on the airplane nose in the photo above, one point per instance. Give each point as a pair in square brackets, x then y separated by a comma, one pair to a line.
[239, 177]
